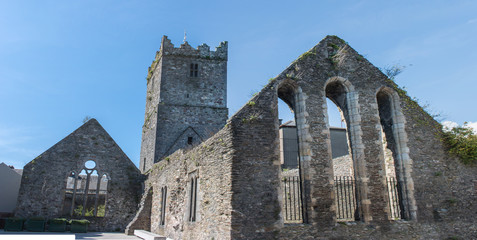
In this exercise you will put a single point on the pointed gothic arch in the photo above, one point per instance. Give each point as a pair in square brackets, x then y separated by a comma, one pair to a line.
[289, 91]
[393, 128]
[341, 92]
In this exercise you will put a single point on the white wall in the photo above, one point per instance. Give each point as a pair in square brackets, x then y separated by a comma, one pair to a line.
[9, 187]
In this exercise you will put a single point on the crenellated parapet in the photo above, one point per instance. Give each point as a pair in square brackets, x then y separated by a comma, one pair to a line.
[202, 51]
[186, 99]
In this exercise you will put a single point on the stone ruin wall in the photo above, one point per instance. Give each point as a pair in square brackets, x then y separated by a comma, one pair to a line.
[445, 193]
[343, 166]
[211, 162]
[44, 178]
[175, 101]
[441, 190]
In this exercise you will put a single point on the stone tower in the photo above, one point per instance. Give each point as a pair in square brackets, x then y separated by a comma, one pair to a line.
[186, 99]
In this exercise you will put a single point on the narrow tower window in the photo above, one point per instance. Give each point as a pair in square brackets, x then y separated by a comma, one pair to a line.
[194, 70]
[189, 140]
[163, 206]
[193, 198]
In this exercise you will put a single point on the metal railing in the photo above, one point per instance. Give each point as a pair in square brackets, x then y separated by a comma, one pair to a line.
[393, 195]
[292, 204]
[345, 197]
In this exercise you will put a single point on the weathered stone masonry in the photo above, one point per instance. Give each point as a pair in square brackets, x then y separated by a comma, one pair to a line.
[186, 99]
[44, 180]
[239, 171]
[211, 161]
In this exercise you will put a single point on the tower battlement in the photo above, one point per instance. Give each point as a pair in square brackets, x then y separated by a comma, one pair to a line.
[186, 100]
[202, 51]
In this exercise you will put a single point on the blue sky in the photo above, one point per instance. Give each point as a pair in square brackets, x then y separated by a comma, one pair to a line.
[63, 60]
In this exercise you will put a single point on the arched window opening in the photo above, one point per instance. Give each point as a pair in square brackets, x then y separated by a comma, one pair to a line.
[393, 145]
[288, 138]
[335, 115]
[341, 152]
[86, 193]
[291, 184]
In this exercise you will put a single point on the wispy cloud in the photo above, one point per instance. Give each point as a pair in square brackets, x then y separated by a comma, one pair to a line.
[473, 125]
[471, 21]
[448, 125]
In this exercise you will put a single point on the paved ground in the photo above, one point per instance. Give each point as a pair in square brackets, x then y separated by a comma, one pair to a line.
[88, 236]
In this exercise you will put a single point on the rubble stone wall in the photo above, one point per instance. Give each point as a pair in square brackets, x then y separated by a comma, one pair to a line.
[211, 163]
[44, 179]
[437, 188]
[239, 168]
[177, 102]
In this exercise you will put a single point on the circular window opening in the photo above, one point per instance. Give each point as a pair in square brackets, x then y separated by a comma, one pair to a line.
[90, 164]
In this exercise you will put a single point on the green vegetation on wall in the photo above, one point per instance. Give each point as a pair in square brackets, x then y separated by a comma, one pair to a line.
[462, 142]
[78, 211]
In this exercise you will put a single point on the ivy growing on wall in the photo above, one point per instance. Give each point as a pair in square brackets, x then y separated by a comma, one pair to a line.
[462, 142]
